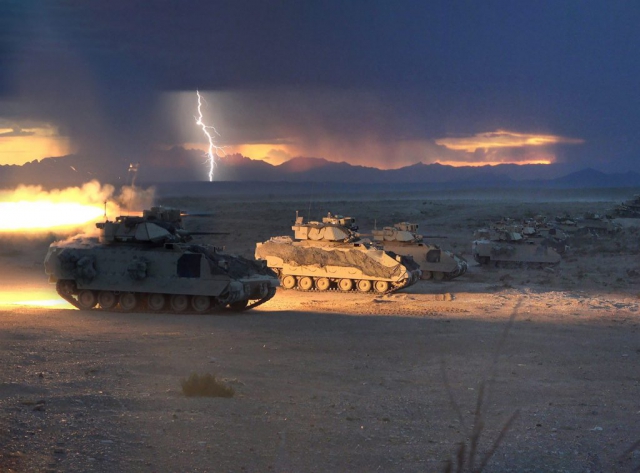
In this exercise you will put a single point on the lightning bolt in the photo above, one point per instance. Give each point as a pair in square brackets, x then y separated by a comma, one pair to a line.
[213, 149]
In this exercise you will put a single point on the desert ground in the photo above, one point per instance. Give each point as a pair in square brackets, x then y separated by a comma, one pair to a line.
[534, 370]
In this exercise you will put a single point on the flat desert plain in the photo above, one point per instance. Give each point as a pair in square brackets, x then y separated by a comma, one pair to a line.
[529, 369]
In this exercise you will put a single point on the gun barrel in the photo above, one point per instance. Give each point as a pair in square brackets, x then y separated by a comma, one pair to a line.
[186, 214]
[209, 233]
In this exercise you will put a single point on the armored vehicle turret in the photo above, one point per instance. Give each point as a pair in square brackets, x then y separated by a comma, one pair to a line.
[435, 263]
[146, 263]
[331, 255]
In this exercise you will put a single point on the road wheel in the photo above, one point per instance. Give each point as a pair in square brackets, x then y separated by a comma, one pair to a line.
[179, 302]
[200, 303]
[323, 284]
[426, 275]
[364, 285]
[155, 302]
[345, 285]
[438, 275]
[305, 283]
[128, 301]
[289, 282]
[381, 286]
[87, 299]
[107, 300]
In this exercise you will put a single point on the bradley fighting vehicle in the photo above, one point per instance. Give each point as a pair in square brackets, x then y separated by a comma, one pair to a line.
[436, 263]
[330, 255]
[147, 263]
[506, 244]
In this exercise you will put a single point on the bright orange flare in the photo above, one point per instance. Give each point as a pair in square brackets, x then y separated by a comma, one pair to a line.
[45, 215]
[32, 298]
[35, 210]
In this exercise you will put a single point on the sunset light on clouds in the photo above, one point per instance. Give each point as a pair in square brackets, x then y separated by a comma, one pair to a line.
[492, 84]
[503, 139]
[22, 145]
[283, 125]
[272, 153]
[501, 147]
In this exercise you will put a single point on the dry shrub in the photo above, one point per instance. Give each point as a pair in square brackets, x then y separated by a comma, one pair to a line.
[468, 458]
[205, 386]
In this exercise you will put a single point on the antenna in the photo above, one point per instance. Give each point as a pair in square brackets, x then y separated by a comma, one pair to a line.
[310, 201]
[133, 171]
[105, 210]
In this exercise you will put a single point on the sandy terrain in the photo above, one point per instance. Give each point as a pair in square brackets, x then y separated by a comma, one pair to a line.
[333, 382]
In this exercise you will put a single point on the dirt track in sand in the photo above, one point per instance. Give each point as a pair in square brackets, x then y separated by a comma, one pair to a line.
[326, 382]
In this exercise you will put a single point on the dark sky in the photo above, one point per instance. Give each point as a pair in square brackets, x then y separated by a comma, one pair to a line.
[371, 82]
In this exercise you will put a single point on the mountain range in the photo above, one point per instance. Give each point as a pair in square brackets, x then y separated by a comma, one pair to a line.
[178, 165]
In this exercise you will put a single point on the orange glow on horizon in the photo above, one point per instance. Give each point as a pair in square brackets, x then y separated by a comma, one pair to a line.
[458, 164]
[31, 144]
[500, 147]
[274, 154]
[270, 153]
[259, 153]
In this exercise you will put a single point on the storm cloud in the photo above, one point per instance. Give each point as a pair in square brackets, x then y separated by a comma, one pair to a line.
[365, 82]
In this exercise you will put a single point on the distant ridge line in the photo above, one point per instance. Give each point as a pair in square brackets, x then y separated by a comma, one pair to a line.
[182, 165]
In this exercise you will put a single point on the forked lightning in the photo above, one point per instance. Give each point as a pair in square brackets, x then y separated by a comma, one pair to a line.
[213, 150]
